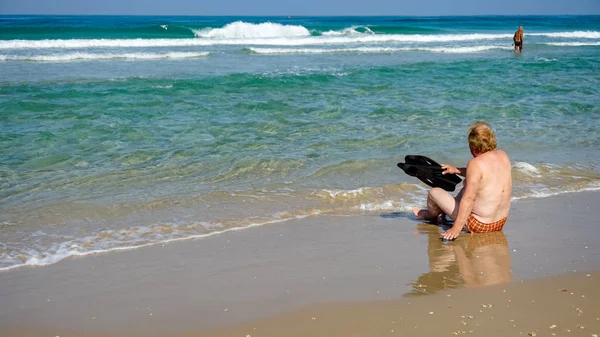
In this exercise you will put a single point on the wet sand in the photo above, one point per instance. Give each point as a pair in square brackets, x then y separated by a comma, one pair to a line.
[329, 276]
[554, 306]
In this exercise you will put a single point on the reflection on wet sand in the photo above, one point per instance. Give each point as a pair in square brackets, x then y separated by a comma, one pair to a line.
[473, 260]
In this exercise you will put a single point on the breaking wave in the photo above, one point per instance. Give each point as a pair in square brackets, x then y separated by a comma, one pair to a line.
[107, 56]
[270, 41]
[354, 30]
[245, 30]
[271, 34]
[457, 50]
[573, 44]
[570, 35]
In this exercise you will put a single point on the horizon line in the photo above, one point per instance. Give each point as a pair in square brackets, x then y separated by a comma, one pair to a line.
[298, 16]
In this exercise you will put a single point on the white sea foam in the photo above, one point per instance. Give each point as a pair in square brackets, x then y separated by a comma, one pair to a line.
[545, 59]
[101, 56]
[527, 169]
[244, 30]
[545, 193]
[274, 34]
[457, 50]
[570, 35]
[344, 193]
[461, 50]
[347, 31]
[273, 41]
[383, 206]
[304, 72]
[79, 247]
[573, 44]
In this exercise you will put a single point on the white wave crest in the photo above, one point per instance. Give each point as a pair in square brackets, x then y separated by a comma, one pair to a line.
[457, 50]
[545, 193]
[343, 193]
[462, 50]
[107, 56]
[98, 43]
[571, 35]
[347, 31]
[573, 44]
[545, 59]
[526, 168]
[273, 34]
[244, 30]
[388, 205]
[272, 41]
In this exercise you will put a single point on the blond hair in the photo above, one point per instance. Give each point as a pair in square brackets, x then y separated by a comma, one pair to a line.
[481, 137]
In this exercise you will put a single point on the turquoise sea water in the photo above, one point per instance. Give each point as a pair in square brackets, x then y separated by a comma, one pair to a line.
[119, 132]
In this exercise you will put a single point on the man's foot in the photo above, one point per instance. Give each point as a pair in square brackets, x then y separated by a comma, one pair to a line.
[421, 214]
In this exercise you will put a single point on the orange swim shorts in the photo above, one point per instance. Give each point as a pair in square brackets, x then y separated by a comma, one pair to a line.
[476, 226]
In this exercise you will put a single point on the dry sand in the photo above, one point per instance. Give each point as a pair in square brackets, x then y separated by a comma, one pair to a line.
[330, 276]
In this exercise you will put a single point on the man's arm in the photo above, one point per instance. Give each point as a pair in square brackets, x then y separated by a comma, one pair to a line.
[473, 181]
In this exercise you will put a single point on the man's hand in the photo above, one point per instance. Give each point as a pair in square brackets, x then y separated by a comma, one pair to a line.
[449, 169]
[452, 233]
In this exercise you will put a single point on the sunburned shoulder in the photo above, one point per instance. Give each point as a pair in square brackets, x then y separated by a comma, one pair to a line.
[495, 153]
[491, 156]
[502, 154]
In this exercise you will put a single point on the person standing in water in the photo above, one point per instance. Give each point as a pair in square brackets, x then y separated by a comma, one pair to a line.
[518, 39]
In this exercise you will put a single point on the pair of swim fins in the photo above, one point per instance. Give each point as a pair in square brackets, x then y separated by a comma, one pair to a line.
[429, 172]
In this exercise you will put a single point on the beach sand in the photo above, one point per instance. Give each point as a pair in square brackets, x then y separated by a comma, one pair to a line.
[370, 275]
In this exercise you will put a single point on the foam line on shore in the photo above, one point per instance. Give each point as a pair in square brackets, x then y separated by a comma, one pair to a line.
[65, 253]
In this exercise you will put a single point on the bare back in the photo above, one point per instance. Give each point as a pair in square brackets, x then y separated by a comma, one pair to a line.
[518, 37]
[492, 201]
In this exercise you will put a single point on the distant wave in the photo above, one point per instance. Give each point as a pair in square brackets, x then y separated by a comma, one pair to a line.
[244, 30]
[348, 31]
[100, 43]
[274, 34]
[107, 56]
[457, 50]
[571, 35]
[155, 31]
[278, 41]
[573, 44]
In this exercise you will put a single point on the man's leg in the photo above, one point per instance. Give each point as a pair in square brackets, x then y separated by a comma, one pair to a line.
[438, 201]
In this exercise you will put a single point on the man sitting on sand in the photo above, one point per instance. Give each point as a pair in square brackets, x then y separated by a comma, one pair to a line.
[484, 202]
[518, 39]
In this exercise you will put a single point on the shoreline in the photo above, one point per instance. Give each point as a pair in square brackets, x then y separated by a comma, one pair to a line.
[218, 284]
[249, 227]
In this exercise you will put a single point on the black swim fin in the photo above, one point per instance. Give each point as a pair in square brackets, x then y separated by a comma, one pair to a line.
[429, 172]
